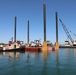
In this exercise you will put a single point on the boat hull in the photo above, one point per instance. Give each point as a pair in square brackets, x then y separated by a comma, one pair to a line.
[37, 49]
[67, 46]
[14, 50]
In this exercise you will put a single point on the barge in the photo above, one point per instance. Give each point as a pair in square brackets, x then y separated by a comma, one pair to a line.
[39, 49]
[67, 46]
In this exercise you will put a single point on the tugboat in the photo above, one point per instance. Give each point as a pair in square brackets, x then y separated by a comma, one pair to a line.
[12, 47]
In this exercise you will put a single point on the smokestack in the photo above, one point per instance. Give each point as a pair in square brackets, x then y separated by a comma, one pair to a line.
[56, 26]
[15, 30]
[44, 12]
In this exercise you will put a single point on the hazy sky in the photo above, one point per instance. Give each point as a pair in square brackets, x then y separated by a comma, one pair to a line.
[32, 10]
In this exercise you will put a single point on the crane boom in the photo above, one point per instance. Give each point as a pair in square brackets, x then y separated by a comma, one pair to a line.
[66, 31]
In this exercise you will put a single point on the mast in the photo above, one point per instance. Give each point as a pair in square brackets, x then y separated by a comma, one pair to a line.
[56, 26]
[15, 30]
[28, 33]
[44, 9]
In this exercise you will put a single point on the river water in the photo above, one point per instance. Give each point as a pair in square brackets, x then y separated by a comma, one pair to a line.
[59, 62]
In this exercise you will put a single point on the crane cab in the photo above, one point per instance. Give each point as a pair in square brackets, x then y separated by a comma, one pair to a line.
[67, 43]
[74, 43]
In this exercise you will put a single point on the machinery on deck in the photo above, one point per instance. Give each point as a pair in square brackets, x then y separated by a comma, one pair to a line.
[68, 35]
[36, 43]
[67, 43]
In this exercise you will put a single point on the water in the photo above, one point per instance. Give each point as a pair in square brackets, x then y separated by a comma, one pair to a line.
[60, 62]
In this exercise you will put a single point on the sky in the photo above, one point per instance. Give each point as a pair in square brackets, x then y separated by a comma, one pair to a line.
[32, 10]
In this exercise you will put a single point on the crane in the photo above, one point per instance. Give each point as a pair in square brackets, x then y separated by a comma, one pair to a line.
[67, 33]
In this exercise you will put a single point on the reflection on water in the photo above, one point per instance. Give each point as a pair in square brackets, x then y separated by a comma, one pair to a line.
[75, 52]
[10, 54]
[44, 71]
[38, 63]
[67, 51]
[28, 57]
[57, 54]
[70, 51]
[45, 54]
[1, 54]
[57, 61]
